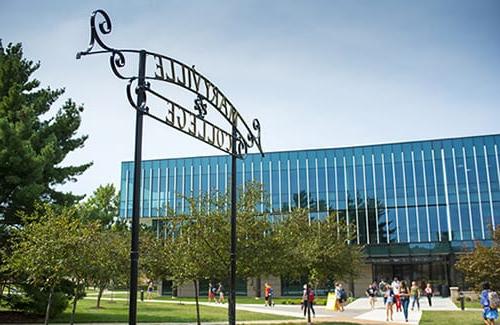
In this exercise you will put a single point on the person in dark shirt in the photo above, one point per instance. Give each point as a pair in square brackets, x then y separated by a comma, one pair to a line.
[404, 296]
[371, 293]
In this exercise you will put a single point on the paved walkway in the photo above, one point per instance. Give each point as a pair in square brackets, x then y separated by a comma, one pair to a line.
[378, 314]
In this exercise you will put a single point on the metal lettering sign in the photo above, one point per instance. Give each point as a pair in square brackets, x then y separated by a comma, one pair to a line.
[192, 122]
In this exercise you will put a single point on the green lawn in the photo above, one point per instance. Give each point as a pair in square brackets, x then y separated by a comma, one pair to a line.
[470, 304]
[154, 312]
[451, 318]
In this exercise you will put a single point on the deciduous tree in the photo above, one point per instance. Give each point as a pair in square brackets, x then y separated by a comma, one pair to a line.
[482, 264]
[46, 249]
[110, 262]
[321, 249]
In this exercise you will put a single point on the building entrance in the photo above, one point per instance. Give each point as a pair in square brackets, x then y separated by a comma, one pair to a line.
[433, 272]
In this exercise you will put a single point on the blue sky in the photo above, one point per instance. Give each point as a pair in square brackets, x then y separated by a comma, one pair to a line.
[317, 74]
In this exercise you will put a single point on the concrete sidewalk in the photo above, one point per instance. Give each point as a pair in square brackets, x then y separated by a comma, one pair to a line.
[379, 313]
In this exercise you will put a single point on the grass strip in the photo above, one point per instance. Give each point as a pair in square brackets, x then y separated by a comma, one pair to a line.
[451, 318]
[154, 312]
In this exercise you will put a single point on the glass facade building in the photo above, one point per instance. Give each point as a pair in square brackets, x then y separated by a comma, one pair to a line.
[411, 203]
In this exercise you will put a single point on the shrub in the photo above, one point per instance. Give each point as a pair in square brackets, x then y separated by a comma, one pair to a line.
[34, 300]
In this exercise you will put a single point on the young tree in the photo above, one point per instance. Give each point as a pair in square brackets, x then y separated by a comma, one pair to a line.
[83, 254]
[200, 246]
[44, 250]
[258, 252]
[33, 146]
[110, 259]
[482, 264]
[318, 248]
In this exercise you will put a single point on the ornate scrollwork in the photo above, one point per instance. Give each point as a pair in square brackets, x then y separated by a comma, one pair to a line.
[250, 141]
[200, 107]
[117, 58]
[104, 28]
[117, 61]
[143, 107]
[241, 146]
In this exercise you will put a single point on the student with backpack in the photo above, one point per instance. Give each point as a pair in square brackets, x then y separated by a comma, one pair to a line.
[490, 302]
[310, 301]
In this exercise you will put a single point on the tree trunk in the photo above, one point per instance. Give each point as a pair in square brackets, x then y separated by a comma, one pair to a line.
[49, 302]
[257, 287]
[99, 296]
[72, 321]
[196, 294]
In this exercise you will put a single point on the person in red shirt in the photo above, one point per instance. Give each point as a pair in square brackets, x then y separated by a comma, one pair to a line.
[310, 300]
[267, 290]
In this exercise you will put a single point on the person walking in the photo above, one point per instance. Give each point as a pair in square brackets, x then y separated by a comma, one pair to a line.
[389, 300]
[338, 297]
[371, 293]
[266, 294]
[381, 289]
[404, 296]
[428, 293]
[395, 288]
[211, 292]
[220, 291]
[490, 302]
[310, 301]
[271, 296]
[415, 295]
[305, 299]
[150, 290]
[343, 297]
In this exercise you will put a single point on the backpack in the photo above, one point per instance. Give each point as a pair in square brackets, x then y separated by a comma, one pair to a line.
[343, 294]
[494, 299]
[311, 295]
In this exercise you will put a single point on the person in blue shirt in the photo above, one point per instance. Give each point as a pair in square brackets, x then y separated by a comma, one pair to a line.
[490, 314]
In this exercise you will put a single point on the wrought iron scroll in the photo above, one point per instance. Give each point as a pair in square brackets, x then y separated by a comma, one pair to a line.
[103, 27]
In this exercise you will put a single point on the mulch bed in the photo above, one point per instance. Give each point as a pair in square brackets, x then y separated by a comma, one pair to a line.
[7, 316]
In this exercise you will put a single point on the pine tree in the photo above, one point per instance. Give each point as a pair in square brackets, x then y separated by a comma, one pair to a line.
[32, 147]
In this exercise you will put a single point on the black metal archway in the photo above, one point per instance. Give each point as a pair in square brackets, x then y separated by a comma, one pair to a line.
[236, 141]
